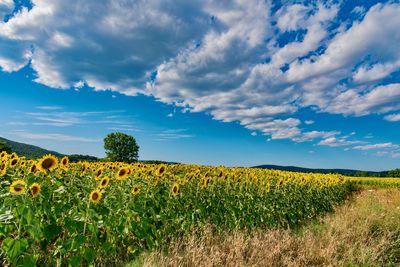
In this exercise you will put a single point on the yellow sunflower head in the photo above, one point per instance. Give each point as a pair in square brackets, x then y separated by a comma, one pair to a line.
[13, 155]
[13, 162]
[122, 174]
[3, 168]
[47, 163]
[99, 173]
[95, 196]
[84, 168]
[35, 189]
[64, 162]
[104, 182]
[3, 155]
[18, 187]
[136, 190]
[161, 170]
[175, 189]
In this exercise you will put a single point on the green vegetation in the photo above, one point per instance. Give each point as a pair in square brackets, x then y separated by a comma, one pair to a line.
[77, 158]
[4, 147]
[121, 147]
[28, 151]
[363, 232]
[107, 213]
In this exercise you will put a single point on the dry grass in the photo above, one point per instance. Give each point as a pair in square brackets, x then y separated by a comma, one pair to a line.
[363, 232]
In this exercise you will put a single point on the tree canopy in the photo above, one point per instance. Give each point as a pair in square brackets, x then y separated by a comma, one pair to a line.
[4, 147]
[121, 147]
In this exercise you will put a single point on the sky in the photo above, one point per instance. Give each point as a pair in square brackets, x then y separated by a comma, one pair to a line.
[235, 83]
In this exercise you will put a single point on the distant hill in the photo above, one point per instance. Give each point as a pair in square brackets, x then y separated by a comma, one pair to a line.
[29, 151]
[300, 169]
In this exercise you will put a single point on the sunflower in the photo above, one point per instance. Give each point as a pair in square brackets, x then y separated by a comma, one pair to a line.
[104, 182]
[18, 187]
[136, 190]
[47, 163]
[175, 189]
[99, 173]
[14, 162]
[83, 169]
[64, 162]
[130, 171]
[3, 168]
[161, 170]
[3, 154]
[95, 196]
[206, 180]
[122, 174]
[155, 181]
[268, 187]
[21, 172]
[13, 155]
[35, 189]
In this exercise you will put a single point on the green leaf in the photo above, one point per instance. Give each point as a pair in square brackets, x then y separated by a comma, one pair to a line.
[106, 247]
[34, 230]
[29, 261]
[28, 215]
[89, 254]
[14, 247]
[78, 241]
[70, 225]
[74, 261]
[51, 231]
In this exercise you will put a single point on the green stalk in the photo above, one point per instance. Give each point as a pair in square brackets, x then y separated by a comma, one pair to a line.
[86, 219]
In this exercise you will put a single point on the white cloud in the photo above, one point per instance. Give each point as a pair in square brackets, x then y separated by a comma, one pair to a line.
[173, 134]
[123, 129]
[309, 122]
[391, 154]
[381, 99]
[338, 141]
[219, 57]
[52, 136]
[393, 117]
[360, 10]
[49, 107]
[376, 146]
[6, 7]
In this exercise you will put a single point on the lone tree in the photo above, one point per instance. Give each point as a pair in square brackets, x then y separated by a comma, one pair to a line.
[4, 147]
[121, 147]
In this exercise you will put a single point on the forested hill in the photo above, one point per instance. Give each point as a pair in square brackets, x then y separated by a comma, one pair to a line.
[349, 172]
[301, 169]
[29, 151]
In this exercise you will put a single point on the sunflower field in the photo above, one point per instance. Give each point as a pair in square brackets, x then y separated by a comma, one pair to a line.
[375, 181]
[67, 214]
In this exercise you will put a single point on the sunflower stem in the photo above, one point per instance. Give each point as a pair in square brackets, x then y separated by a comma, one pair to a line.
[86, 219]
[20, 220]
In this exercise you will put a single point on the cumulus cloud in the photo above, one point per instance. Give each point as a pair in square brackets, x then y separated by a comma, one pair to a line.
[6, 7]
[393, 117]
[226, 58]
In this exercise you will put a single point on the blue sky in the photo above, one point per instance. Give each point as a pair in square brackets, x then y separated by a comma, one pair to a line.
[237, 83]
